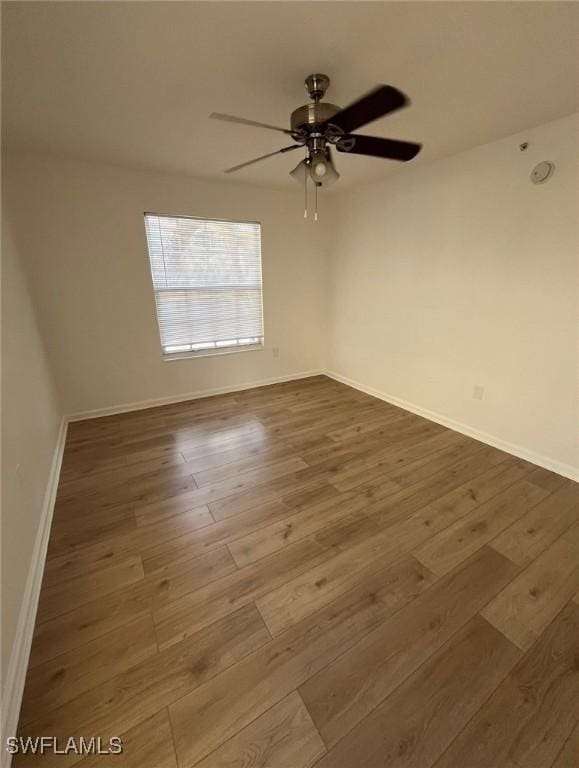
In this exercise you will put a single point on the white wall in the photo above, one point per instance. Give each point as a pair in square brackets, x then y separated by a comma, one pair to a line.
[31, 417]
[462, 273]
[81, 227]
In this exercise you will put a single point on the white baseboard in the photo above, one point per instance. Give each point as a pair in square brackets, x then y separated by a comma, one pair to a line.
[566, 470]
[153, 403]
[18, 664]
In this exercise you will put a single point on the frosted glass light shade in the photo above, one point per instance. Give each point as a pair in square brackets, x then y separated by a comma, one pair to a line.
[300, 172]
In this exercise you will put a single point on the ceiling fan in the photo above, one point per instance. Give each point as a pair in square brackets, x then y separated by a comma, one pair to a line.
[319, 124]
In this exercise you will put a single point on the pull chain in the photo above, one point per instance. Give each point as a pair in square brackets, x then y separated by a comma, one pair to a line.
[305, 196]
[316, 209]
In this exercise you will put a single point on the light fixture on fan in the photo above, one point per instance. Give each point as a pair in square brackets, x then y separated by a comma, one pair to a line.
[322, 169]
[319, 168]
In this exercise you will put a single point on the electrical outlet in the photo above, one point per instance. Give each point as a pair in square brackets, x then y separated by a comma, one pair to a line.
[478, 392]
[275, 351]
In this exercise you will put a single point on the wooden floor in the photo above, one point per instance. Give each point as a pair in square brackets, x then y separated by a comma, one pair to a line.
[304, 575]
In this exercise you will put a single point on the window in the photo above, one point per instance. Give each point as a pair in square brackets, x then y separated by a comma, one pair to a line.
[207, 282]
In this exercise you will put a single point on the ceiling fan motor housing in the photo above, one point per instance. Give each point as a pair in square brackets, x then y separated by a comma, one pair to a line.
[312, 114]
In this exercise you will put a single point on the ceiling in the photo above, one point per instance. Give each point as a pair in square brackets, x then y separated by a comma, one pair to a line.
[133, 83]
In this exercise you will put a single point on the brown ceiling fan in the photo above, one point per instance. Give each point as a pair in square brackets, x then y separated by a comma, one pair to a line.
[319, 125]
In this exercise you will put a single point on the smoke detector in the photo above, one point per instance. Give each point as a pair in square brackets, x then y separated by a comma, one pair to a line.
[542, 172]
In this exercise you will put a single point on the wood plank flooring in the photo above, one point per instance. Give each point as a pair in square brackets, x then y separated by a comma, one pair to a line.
[302, 575]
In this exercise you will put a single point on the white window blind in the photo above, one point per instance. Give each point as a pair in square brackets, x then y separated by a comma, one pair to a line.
[207, 282]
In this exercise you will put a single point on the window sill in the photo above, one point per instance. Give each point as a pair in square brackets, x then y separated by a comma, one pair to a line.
[169, 358]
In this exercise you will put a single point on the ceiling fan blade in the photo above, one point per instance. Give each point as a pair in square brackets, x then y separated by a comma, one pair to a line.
[377, 103]
[391, 149]
[243, 121]
[263, 157]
